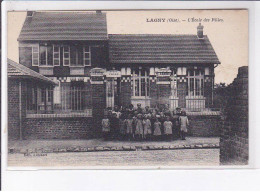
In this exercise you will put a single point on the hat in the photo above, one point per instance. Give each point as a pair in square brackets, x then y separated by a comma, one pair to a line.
[178, 108]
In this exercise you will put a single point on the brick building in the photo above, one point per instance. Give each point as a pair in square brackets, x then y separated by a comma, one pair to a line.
[96, 70]
[21, 82]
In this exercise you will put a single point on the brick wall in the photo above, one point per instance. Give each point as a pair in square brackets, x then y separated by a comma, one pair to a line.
[59, 128]
[208, 91]
[204, 126]
[98, 104]
[125, 92]
[13, 109]
[14, 120]
[182, 88]
[234, 133]
[153, 92]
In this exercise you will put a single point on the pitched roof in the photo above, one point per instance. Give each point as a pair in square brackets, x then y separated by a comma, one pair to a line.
[64, 26]
[20, 71]
[150, 48]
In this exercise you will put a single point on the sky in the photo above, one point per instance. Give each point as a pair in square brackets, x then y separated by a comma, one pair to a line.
[227, 31]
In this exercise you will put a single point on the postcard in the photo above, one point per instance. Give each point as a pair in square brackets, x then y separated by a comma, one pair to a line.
[127, 89]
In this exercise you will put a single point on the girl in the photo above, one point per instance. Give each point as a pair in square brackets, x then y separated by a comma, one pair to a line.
[105, 127]
[168, 128]
[114, 125]
[157, 130]
[147, 127]
[183, 123]
[139, 130]
[129, 127]
[122, 125]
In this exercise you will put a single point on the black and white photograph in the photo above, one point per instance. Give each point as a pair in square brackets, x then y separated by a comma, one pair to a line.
[127, 89]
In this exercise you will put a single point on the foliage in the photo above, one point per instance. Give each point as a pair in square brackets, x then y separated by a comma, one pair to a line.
[221, 95]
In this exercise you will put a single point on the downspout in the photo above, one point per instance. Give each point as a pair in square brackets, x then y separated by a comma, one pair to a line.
[20, 109]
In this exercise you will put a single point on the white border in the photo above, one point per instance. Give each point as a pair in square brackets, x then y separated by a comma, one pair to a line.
[141, 179]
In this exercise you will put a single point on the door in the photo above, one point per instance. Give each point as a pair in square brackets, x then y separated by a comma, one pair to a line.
[112, 94]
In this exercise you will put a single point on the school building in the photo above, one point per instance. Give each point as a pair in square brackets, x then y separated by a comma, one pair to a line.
[93, 70]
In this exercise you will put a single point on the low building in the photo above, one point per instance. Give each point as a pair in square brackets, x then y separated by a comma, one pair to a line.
[25, 89]
[96, 70]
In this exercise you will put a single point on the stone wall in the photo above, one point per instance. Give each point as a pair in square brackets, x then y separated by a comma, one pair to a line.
[234, 134]
[59, 128]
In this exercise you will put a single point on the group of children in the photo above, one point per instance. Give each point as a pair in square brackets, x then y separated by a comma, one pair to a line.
[144, 124]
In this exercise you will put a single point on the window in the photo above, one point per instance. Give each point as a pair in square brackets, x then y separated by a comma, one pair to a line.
[43, 95]
[140, 82]
[77, 95]
[35, 55]
[87, 56]
[66, 55]
[195, 83]
[32, 99]
[46, 56]
[39, 100]
[73, 96]
[49, 94]
[76, 56]
[56, 55]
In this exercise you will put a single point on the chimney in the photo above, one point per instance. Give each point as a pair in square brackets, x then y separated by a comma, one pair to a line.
[200, 31]
[30, 13]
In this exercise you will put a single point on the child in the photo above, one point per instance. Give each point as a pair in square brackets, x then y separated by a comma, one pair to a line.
[168, 128]
[129, 127]
[105, 127]
[153, 118]
[122, 125]
[134, 124]
[139, 130]
[114, 125]
[157, 129]
[183, 123]
[147, 127]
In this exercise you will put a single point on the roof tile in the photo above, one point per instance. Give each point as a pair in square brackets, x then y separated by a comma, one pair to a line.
[153, 48]
[17, 70]
[64, 26]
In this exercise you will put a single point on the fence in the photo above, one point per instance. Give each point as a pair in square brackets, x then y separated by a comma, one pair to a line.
[191, 101]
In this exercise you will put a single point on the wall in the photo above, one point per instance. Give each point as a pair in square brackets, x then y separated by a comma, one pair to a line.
[14, 119]
[59, 128]
[126, 92]
[234, 133]
[204, 126]
[99, 56]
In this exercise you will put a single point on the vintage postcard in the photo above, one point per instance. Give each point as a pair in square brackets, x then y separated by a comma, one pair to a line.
[138, 89]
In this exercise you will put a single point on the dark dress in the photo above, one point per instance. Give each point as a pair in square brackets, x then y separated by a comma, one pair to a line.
[114, 127]
[175, 126]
